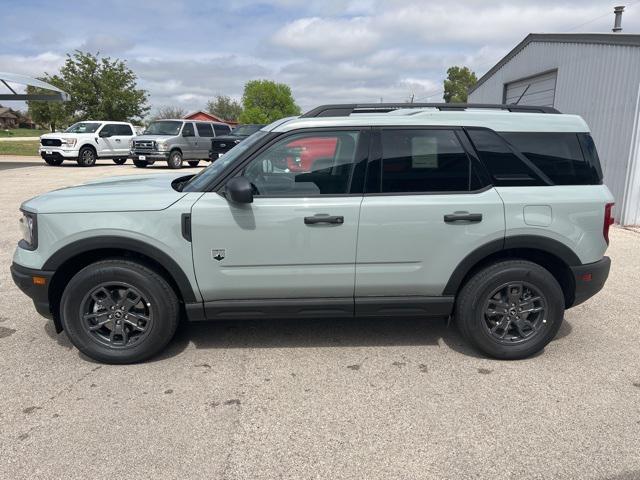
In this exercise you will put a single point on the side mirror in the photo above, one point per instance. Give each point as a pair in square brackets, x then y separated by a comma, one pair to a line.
[104, 134]
[239, 190]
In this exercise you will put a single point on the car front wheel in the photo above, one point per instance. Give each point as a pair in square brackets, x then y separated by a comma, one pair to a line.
[54, 161]
[140, 163]
[120, 161]
[119, 311]
[511, 309]
[175, 159]
[86, 157]
[193, 163]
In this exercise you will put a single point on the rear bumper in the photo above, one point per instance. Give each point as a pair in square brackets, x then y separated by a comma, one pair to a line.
[23, 277]
[589, 279]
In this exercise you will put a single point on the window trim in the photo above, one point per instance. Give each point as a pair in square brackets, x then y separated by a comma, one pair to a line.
[465, 143]
[361, 154]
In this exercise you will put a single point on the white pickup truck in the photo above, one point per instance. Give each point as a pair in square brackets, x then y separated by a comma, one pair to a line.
[86, 142]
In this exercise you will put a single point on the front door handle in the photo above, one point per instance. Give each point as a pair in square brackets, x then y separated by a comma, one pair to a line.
[463, 217]
[117, 139]
[324, 218]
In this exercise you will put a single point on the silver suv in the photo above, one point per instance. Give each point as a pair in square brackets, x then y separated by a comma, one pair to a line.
[173, 141]
[495, 216]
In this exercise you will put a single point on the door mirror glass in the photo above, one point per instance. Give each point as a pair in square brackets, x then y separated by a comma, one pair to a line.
[239, 190]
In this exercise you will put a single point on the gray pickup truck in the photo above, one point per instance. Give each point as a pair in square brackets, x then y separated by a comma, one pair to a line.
[173, 141]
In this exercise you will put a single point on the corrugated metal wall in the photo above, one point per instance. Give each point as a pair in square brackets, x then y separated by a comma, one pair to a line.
[599, 83]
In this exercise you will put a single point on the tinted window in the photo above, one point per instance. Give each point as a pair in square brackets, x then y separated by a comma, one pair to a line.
[221, 129]
[109, 129]
[305, 164]
[188, 131]
[424, 161]
[558, 155]
[123, 130]
[83, 127]
[164, 127]
[204, 129]
[503, 164]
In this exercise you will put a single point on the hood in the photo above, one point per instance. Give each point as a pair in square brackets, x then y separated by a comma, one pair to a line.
[230, 137]
[66, 135]
[153, 137]
[115, 194]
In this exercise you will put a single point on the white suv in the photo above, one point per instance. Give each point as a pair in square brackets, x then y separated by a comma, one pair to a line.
[85, 142]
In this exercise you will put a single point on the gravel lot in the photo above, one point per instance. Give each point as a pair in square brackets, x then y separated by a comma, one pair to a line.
[330, 399]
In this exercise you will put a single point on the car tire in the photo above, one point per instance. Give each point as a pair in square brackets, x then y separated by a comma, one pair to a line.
[175, 159]
[140, 163]
[497, 311]
[118, 311]
[120, 161]
[193, 163]
[87, 157]
[54, 162]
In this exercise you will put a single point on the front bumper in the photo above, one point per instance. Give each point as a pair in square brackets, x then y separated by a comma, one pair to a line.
[57, 152]
[589, 279]
[152, 155]
[35, 284]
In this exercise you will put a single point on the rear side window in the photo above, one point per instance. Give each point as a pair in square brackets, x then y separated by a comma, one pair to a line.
[221, 129]
[123, 129]
[504, 166]
[204, 129]
[558, 155]
[425, 160]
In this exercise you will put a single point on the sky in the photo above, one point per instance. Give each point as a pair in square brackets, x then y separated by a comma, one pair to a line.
[186, 52]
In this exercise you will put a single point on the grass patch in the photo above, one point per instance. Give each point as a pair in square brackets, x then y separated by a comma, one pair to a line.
[22, 132]
[28, 147]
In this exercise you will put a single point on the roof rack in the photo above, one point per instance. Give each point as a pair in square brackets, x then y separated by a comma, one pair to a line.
[344, 110]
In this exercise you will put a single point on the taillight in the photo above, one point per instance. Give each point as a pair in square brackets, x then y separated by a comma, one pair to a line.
[608, 221]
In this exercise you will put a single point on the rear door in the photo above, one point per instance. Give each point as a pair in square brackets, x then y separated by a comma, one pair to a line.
[205, 134]
[427, 206]
[123, 133]
[297, 240]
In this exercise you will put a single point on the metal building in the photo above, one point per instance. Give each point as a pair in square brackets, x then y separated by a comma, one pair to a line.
[596, 76]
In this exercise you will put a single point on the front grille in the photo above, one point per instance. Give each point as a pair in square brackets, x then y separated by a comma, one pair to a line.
[222, 146]
[143, 145]
[50, 142]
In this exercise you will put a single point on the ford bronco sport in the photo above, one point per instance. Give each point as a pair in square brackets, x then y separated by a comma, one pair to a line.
[495, 216]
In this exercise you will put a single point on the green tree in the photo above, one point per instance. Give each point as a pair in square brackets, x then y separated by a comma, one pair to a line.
[225, 107]
[52, 114]
[101, 88]
[265, 101]
[457, 84]
[168, 112]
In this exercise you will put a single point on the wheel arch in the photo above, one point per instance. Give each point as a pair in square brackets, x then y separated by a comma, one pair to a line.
[70, 259]
[551, 254]
[88, 145]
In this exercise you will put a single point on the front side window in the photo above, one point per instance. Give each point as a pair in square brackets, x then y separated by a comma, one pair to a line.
[305, 164]
[83, 127]
[204, 129]
[425, 160]
[188, 131]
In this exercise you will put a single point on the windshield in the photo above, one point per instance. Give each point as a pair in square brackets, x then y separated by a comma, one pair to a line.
[245, 130]
[200, 181]
[163, 128]
[83, 127]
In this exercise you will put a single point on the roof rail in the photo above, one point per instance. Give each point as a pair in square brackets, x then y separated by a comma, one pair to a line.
[344, 110]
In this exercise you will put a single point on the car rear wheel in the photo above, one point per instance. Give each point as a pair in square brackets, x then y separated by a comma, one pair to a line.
[118, 311]
[120, 161]
[175, 159]
[87, 157]
[511, 309]
[140, 163]
[54, 161]
[193, 163]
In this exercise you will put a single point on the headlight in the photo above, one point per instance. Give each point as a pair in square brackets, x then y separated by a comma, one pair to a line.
[130, 144]
[70, 142]
[29, 227]
[161, 144]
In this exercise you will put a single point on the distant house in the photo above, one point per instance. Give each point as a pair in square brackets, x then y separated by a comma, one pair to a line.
[202, 115]
[8, 118]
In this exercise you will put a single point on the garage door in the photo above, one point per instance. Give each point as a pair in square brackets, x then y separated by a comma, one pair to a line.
[539, 90]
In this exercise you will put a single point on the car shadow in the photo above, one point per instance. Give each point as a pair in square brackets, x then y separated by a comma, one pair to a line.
[313, 333]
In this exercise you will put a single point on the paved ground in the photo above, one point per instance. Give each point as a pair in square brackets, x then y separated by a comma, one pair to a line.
[331, 399]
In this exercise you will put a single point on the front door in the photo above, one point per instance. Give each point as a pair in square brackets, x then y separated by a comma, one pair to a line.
[429, 206]
[297, 240]
[189, 142]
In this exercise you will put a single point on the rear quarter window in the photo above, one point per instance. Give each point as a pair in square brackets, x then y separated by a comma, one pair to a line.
[559, 156]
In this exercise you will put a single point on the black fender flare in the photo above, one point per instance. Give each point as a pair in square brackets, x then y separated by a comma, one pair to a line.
[86, 245]
[531, 242]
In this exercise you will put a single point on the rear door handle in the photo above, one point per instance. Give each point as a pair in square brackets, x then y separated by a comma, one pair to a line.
[324, 218]
[463, 217]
